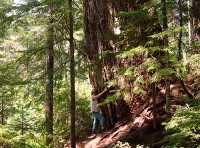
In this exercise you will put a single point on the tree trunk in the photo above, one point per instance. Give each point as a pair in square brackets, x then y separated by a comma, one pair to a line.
[190, 28]
[196, 20]
[72, 76]
[164, 20]
[164, 27]
[2, 112]
[195, 9]
[99, 34]
[22, 120]
[49, 83]
[180, 52]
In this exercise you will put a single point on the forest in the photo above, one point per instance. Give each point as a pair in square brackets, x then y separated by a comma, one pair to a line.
[99, 73]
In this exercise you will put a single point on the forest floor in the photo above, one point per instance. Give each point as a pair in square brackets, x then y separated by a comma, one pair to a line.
[144, 129]
[135, 132]
[106, 138]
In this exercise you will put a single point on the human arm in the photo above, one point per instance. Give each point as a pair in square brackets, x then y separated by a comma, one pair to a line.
[96, 97]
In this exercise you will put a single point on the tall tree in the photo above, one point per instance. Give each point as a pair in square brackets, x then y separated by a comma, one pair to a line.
[72, 75]
[180, 52]
[49, 81]
[2, 112]
[190, 28]
[196, 20]
[98, 21]
[164, 28]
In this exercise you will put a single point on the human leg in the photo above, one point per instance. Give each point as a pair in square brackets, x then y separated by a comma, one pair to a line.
[94, 122]
[101, 120]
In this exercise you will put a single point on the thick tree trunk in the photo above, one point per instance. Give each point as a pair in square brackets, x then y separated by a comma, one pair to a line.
[99, 34]
[195, 9]
[72, 77]
[49, 83]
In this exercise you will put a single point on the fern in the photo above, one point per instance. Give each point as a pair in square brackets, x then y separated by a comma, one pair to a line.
[129, 53]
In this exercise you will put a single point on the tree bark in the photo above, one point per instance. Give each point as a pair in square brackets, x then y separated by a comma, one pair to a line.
[49, 82]
[99, 37]
[164, 20]
[196, 20]
[22, 120]
[2, 112]
[190, 28]
[180, 52]
[72, 76]
[165, 43]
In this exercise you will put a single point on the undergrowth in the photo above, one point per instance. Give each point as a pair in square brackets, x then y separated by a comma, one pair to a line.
[183, 129]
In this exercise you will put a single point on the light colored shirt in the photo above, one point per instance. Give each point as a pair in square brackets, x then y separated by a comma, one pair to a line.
[94, 105]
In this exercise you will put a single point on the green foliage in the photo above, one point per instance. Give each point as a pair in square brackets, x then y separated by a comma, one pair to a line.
[133, 14]
[193, 61]
[168, 32]
[151, 65]
[129, 72]
[137, 90]
[23, 37]
[111, 98]
[130, 53]
[23, 40]
[83, 117]
[11, 139]
[183, 129]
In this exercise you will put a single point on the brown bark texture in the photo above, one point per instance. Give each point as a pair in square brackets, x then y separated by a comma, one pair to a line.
[72, 77]
[49, 85]
[99, 17]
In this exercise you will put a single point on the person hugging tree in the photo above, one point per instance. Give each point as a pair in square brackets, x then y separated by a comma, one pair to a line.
[95, 110]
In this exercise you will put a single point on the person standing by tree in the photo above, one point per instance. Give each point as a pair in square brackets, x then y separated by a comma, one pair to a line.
[95, 110]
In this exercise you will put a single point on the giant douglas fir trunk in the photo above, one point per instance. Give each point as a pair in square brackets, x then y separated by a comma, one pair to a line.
[98, 35]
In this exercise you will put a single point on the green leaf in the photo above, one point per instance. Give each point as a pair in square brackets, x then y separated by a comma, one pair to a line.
[138, 90]
[166, 71]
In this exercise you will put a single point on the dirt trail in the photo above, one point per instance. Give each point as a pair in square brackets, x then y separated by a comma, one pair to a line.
[136, 128]
[107, 138]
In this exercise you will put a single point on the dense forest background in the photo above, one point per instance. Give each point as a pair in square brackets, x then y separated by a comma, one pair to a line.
[53, 53]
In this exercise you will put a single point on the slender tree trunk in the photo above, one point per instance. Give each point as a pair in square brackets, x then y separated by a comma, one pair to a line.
[22, 121]
[190, 28]
[196, 20]
[67, 114]
[49, 83]
[72, 76]
[164, 27]
[164, 20]
[2, 112]
[195, 9]
[180, 53]
[22, 145]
